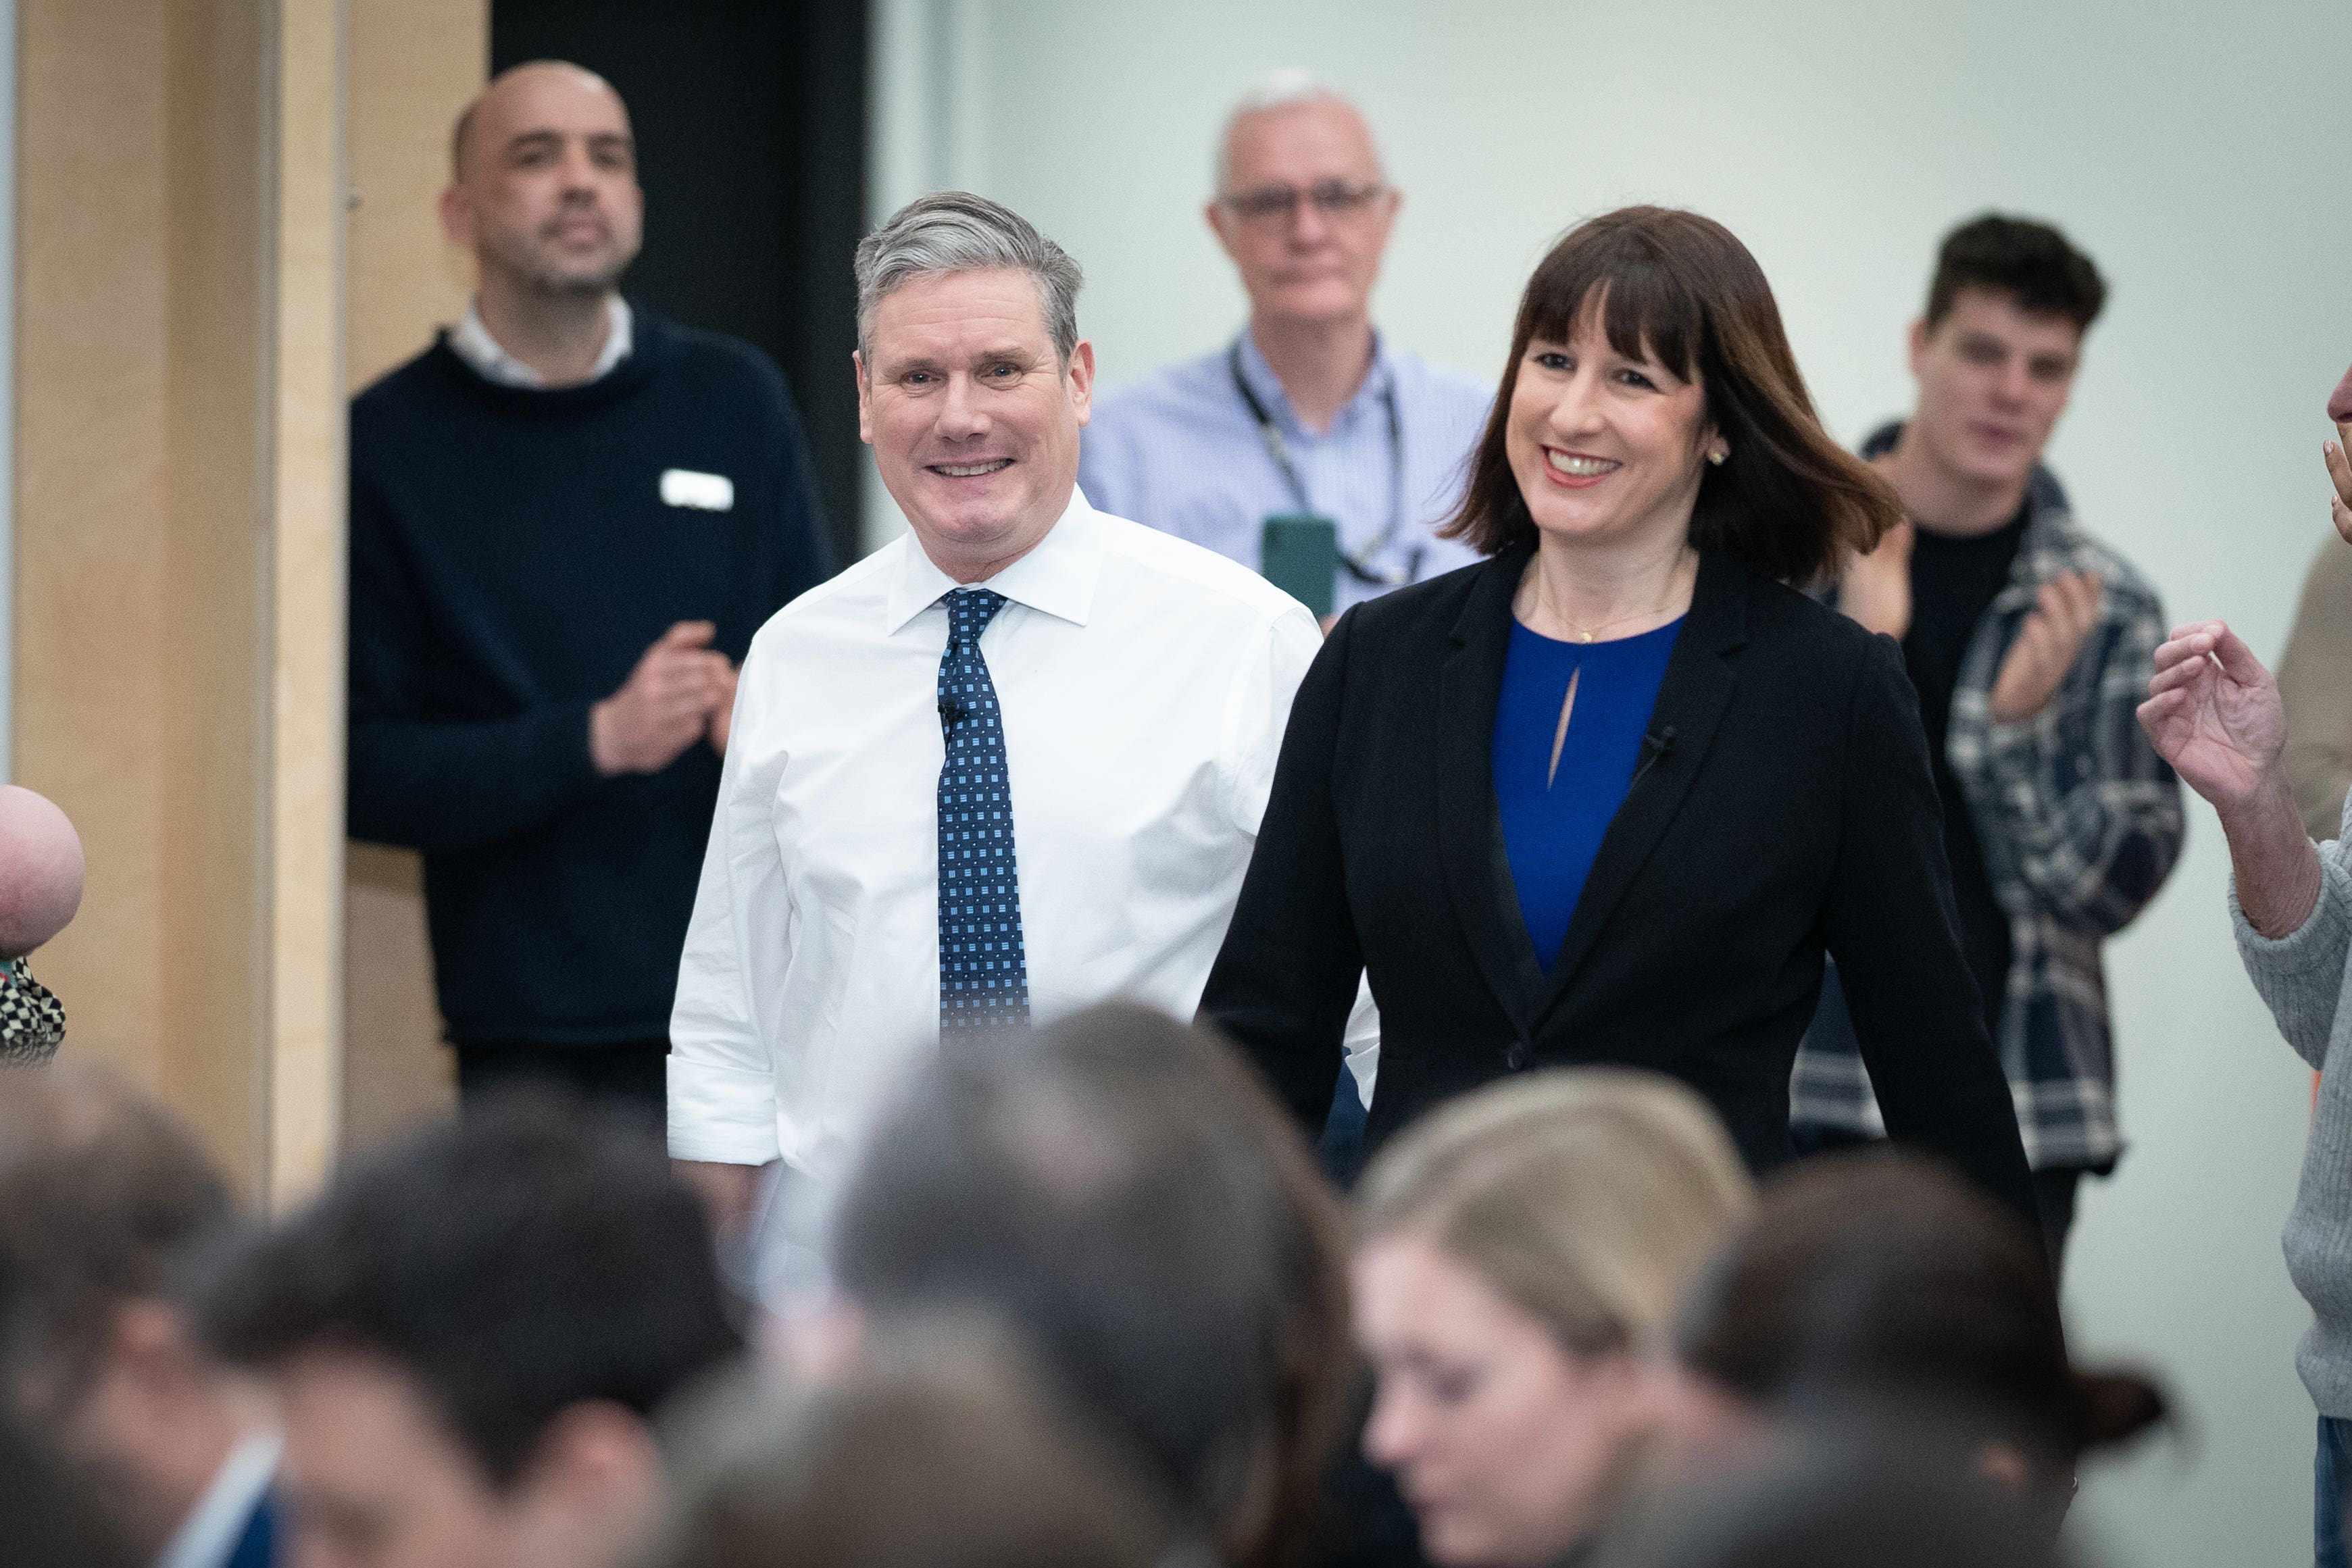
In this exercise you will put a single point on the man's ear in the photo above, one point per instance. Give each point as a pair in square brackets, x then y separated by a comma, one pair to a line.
[1082, 379]
[864, 397]
[1917, 346]
[456, 216]
[597, 1461]
[1218, 219]
[147, 1343]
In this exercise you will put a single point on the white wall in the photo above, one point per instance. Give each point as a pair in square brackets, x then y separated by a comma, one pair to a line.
[2197, 151]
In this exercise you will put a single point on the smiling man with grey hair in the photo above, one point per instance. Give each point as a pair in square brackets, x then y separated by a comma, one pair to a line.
[1010, 765]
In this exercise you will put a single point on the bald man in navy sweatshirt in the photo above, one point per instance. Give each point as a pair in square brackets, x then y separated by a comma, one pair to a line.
[568, 517]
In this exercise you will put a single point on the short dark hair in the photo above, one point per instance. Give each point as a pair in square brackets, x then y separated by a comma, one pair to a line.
[1881, 1274]
[527, 1259]
[938, 1450]
[104, 1199]
[1859, 1494]
[1122, 1191]
[2031, 262]
[1789, 502]
[54, 1514]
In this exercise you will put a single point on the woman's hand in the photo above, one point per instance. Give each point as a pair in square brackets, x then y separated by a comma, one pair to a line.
[2213, 712]
[1876, 588]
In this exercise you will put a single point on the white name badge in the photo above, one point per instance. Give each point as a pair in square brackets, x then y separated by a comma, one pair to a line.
[703, 492]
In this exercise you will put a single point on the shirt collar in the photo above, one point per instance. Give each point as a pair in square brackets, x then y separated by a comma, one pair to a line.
[1057, 577]
[472, 342]
[1259, 377]
[218, 1522]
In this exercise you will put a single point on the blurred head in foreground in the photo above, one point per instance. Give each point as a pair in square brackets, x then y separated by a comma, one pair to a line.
[941, 1449]
[1869, 1497]
[1518, 1253]
[469, 1330]
[1121, 1193]
[1880, 1279]
[103, 1200]
[53, 1515]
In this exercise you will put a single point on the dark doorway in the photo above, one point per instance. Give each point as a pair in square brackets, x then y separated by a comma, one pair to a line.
[751, 121]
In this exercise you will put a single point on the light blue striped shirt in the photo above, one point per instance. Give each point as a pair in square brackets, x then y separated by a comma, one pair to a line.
[1181, 451]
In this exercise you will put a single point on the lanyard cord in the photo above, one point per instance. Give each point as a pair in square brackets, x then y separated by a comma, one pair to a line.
[1359, 563]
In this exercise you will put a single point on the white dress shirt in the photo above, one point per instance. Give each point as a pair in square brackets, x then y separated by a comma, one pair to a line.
[471, 342]
[217, 1523]
[1144, 683]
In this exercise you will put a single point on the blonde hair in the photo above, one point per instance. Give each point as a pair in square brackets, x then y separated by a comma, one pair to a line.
[1589, 1196]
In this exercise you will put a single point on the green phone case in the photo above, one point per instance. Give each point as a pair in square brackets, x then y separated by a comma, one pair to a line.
[1299, 553]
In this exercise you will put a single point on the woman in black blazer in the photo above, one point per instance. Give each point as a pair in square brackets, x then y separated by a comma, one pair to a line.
[1652, 477]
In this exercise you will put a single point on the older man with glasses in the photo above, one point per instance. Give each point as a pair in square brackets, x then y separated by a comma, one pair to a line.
[1308, 447]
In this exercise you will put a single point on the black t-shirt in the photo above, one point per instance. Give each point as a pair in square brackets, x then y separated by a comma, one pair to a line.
[1953, 582]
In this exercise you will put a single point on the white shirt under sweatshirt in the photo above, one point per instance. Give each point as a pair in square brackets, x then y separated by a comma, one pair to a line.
[471, 342]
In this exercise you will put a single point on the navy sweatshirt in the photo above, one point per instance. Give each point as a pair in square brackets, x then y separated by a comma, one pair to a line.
[512, 556]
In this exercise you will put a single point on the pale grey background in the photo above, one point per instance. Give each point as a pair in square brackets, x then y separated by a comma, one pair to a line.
[2197, 151]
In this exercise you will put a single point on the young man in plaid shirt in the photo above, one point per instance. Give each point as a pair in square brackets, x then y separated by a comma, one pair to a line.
[2030, 644]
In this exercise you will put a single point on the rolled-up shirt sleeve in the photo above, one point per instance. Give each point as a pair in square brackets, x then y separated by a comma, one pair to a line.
[722, 1083]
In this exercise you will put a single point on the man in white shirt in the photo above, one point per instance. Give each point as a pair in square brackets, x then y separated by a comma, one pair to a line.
[1051, 807]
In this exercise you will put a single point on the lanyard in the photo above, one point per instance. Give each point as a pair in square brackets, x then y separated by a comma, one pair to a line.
[1360, 562]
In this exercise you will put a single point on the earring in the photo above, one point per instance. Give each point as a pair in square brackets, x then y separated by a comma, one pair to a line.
[1718, 455]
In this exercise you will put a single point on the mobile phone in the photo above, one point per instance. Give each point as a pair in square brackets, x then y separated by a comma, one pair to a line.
[1299, 552]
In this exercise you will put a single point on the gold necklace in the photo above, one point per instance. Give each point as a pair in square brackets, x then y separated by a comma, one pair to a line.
[1587, 634]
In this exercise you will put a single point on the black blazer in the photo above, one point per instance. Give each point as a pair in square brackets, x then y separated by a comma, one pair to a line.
[1783, 806]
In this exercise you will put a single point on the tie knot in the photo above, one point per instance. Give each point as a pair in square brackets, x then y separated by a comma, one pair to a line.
[970, 610]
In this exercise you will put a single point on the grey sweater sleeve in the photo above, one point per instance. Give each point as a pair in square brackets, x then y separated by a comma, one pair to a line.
[2301, 976]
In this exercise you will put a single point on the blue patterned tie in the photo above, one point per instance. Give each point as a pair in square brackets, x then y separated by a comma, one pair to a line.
[984, 969]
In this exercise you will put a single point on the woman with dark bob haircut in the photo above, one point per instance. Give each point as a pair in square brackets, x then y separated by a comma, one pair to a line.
[1610, 794]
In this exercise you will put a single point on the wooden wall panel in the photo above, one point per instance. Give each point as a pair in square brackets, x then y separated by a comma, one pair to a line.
[215, 735]
[307, 581]
[90, 494]
[178, 545]
[414, 65]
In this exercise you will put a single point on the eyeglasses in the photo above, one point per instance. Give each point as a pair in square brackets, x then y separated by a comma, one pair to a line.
[1333, 199]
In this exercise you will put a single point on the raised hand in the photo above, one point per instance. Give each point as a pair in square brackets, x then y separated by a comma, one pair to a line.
[2063, 616]
[665, 705]
[2213, 712]
[1876, 588]
[722, 714]
[2339, 504]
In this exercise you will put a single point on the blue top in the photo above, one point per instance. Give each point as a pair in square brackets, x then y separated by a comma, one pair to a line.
[1553, 823]
[1180, 451]
[513, 552]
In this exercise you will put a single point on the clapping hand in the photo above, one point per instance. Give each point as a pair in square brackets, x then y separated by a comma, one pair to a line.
[679, 692]
[2046, 646]
[2339, 504]
[2214, 714]
[722, 712]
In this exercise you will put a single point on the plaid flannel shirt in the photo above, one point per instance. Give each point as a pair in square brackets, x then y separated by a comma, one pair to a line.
[2081, 823]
